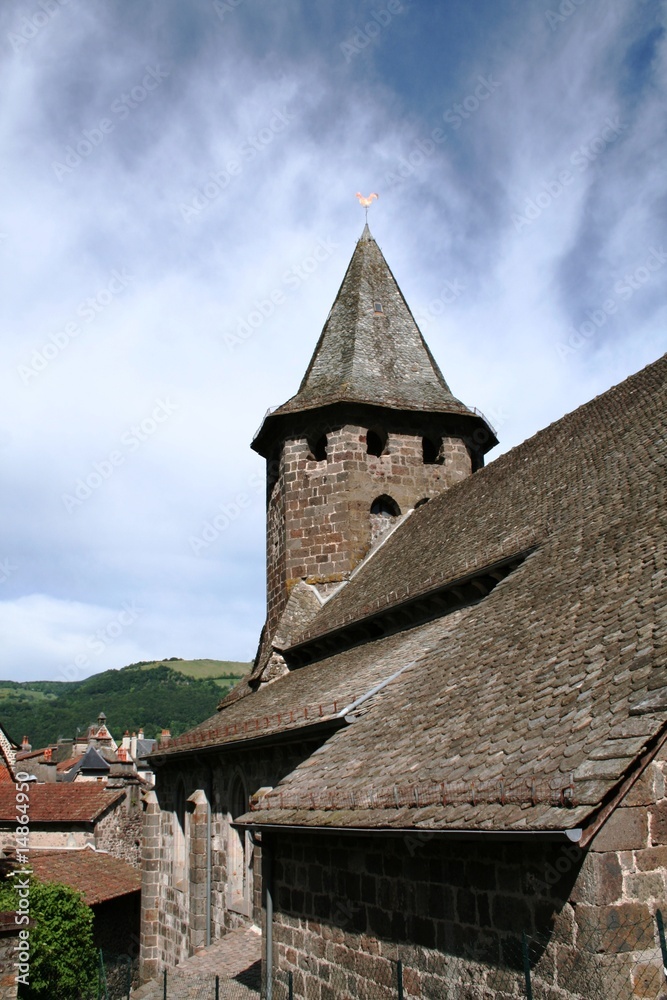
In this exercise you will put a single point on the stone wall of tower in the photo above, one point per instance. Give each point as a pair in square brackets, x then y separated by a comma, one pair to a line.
[319, 519]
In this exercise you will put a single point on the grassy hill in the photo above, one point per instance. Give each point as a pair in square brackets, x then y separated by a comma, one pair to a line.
[174, 694]
[223, 672]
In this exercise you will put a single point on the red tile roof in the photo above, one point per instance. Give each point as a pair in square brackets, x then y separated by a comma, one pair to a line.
[95, 875]
[28, 754]
[60, 803]
[65, 765]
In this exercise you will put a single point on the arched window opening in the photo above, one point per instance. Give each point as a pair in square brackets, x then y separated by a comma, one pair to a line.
[432, 451]
[385, 506]
[238, 851]
[318, 448]
[376, 441]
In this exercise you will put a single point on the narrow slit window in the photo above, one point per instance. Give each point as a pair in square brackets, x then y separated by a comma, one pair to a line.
[318, 448]
[376, 441]
[432, 451]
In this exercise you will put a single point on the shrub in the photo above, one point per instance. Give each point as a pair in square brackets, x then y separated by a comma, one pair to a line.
[62, 953]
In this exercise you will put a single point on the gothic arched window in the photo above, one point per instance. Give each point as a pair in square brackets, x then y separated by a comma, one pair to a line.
[179, 831]
[238, 851]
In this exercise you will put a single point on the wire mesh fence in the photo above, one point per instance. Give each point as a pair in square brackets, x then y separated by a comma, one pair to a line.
[608, 953]
[180, 986]
[116, 976]
[177, 984]
[597, 953]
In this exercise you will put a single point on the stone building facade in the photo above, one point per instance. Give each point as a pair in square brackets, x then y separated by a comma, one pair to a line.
[348, 908]
[325, 512]
[74, 816]
[9, 939]
[450, 746]
[201, 875]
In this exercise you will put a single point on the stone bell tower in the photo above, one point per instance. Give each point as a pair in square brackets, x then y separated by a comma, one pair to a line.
[372, 432]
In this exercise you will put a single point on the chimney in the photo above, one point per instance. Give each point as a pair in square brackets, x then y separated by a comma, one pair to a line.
[133, 746]
[165, 736]
[48, 755]
[25, 745]
[140, 734]
[126, 740]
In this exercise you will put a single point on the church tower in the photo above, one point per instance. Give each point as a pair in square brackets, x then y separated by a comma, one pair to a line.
[372, 432]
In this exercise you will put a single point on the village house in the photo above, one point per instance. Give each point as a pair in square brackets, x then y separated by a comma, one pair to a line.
[448, 762]
[85, 832]
[84, 793]
[112, 889]
[74, 816]
[91, 756]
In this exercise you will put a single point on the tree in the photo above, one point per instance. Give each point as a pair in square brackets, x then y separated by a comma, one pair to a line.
[62, 953]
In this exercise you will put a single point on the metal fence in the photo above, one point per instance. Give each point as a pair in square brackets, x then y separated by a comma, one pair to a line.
[182, 986]
[607, 953]
[623, 957]
[177, 984]
[116, 976]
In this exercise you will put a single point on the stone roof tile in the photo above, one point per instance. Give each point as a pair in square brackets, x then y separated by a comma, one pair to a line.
[369, 355]
[506, 717]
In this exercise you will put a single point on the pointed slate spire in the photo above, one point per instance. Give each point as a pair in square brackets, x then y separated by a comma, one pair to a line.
[370, 351]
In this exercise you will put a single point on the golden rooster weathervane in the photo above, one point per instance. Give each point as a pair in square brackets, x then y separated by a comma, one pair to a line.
[366, 202]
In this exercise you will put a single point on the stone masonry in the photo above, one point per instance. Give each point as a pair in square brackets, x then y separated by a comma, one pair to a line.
[319, 521]
[174, 910]
[8, 941]
[119, 831]
[346, 908]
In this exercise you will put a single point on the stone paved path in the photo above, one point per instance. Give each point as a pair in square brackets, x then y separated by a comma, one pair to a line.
[235, 958]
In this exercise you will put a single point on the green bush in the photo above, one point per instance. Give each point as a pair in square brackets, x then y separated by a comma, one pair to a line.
[62, 954]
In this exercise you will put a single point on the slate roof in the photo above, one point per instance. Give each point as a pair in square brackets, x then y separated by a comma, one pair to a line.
[145, 747]
[92, 760]
[522, 711]
[375, 358]
[60, 802]
[97, 876]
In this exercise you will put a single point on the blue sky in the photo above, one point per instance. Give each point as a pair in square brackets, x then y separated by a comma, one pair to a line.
[177, 211]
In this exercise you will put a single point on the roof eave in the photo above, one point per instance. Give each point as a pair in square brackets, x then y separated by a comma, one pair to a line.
[294, 735]
[274, 422]
[572, 835]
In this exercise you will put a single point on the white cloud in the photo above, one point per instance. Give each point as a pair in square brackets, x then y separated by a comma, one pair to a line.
[291, 131]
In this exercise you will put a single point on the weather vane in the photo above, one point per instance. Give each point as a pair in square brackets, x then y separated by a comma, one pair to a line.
[367, 201]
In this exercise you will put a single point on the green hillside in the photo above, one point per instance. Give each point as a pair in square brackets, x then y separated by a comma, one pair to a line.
[223, 672]
[172, 694]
